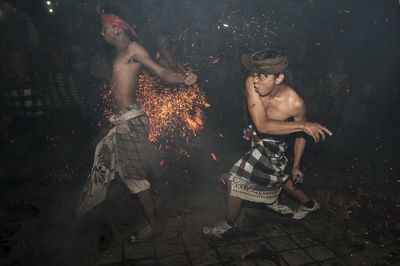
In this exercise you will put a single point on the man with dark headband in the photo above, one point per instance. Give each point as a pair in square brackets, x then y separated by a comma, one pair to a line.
[260, 174]
[123, 150]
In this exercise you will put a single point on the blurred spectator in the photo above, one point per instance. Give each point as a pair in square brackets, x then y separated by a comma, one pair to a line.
[21, 98]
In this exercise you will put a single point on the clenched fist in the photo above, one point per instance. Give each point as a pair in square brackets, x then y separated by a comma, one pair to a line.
[190, 78]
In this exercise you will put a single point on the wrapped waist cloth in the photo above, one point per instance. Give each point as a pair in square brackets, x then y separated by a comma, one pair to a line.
[123, 151]
[260, 174]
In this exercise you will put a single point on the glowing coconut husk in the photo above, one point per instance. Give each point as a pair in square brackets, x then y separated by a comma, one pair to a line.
[173, 112]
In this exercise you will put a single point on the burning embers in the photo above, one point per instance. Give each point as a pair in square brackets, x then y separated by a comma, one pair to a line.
[173, 112]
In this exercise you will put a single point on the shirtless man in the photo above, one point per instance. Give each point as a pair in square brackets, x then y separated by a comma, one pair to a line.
[123, 150]
[260, 175]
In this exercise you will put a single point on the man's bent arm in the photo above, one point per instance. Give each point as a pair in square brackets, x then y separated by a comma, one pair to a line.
[260, 119]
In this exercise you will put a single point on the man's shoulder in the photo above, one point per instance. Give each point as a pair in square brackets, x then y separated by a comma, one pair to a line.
[136, 48]
[291, 93]
[293, 98]
[133, 46]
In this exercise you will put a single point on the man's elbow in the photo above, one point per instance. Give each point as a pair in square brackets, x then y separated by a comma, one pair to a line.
[262, 128]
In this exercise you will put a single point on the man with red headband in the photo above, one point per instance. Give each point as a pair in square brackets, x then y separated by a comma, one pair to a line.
[123, 150]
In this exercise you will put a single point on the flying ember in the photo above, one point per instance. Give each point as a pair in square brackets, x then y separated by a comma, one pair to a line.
[173, 112]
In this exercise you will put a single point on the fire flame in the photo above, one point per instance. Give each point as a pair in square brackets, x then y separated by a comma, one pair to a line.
[173, 112]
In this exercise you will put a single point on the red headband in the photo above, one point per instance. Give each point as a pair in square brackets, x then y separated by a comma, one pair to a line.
[118, 22]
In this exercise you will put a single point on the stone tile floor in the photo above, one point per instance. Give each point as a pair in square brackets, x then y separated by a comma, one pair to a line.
[277, 241]
[185, 202]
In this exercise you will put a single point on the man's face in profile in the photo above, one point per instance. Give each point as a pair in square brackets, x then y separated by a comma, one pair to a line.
[108, 33]
[263, 83]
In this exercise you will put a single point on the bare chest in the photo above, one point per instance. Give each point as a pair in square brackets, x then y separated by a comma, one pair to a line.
[276, 109]
[124, 75]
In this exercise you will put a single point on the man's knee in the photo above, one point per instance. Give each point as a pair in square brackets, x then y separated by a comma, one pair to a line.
[289, 186]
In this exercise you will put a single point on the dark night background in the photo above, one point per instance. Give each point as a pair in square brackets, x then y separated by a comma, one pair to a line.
[46, 158]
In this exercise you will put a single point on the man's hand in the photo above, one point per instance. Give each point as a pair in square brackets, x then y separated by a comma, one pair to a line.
[190, 78]
[316, 131]
[297, 175]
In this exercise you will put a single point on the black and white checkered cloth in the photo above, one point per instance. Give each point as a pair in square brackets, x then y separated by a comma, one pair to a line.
[260, 174]
[22, 97]
[19, 97]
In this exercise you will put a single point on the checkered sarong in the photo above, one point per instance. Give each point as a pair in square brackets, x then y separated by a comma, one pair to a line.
[122, 151]
[19, 97]
[260, 174]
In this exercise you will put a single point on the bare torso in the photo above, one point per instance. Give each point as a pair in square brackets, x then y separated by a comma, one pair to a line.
[283, 105]
[124, 80]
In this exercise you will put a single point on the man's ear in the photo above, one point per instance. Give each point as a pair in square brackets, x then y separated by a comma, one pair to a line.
[279, 79]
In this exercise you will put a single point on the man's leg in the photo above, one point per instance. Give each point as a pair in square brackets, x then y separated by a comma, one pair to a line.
[296, 192]
[233, 205]
[307, 205]
[141, 188]
[221, 227]
[146, 201]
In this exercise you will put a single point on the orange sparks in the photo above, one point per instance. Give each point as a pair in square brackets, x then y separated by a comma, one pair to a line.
[220, 134]
[195, 123]
[223, 181]
[173, 112]
[215, 61]
[214, 157]
[105, 93]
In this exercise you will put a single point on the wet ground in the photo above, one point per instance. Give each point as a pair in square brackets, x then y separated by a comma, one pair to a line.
[355, 180]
